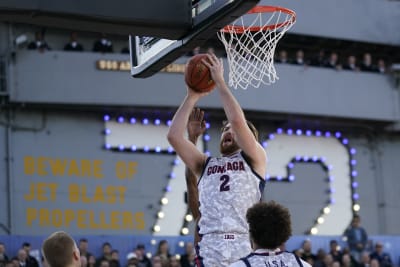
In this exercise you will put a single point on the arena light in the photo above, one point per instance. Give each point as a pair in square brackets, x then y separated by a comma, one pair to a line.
[322, 160]
[356, 207]
[106, 117]
[314, 231]
[326, 210]
[185, 231]
[189, 217]
[160, 215]
[164, 201]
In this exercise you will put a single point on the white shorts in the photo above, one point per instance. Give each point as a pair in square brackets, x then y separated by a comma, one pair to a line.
[220, 250]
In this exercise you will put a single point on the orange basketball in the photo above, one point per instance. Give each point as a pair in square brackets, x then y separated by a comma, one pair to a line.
[197, 75]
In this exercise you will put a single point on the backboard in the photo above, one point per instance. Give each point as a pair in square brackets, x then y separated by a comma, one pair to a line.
[150, 54]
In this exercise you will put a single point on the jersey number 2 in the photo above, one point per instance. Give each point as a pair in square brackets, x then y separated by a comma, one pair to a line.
[224, 183]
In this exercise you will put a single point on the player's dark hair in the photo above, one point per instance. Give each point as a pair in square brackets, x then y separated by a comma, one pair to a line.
[249, 124]
[270, 224]
[58, 249]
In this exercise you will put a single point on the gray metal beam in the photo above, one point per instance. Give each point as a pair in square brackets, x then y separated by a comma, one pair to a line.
[167, 19]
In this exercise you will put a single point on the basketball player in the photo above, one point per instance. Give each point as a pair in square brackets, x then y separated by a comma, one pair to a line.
[60, 250]
[270, 227]
[228, 185]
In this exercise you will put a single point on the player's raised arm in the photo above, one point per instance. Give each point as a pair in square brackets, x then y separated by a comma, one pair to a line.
[187, 151]
[196, 127]
[243, 135]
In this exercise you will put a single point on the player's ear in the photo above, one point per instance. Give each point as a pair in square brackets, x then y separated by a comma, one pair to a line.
[76, 255]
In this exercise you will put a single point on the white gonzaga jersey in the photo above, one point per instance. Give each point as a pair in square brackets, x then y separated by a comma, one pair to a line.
[227, 187]
[267, 258]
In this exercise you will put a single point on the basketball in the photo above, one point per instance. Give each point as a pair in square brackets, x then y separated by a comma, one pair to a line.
[197, 75]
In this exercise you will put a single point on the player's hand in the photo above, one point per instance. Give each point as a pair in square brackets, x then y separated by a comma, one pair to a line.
[216, 67]
[196, 125]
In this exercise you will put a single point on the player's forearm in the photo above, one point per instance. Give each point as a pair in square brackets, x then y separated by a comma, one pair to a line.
[233, 111]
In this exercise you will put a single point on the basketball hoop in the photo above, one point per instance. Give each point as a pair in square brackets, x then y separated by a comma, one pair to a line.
[250, 44]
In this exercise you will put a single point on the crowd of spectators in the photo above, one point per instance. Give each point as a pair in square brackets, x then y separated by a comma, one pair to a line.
[103, 44]
[109, 256]
[359, 252]
[332, 60]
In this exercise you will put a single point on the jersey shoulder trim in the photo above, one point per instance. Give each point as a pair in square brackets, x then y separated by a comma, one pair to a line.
[246, 159]
[204, 169]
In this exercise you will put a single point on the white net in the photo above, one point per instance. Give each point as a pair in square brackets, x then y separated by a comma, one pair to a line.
[250, 44]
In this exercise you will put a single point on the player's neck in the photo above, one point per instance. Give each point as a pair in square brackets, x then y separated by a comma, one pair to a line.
[230, 154]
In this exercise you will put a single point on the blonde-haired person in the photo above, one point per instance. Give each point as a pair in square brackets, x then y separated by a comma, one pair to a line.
[60, 250]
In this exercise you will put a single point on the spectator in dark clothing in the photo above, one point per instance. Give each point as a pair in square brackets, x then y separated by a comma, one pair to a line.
[319, 60]
[103, 45]
[30, 261]
[332, 62]
[366, 64]
[114, 262]
[299, 60]
[383, 257]
[163, 252]
[282, 57]
[351, 64]
[334, 250]
[357, 238]
[83, 246]
[3, 255]
[187, 259]
[348, 261]
[381, 66]
[91, 261]
[365, 260]
[15, 261]
[73, 44]
[106, 256]
[319, 262]
[143, 260]
[39, 43]
[307, 254]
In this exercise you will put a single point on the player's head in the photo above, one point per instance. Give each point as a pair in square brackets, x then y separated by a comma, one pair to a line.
[228, 144]
[355, 222]
[60, 250]
[269, 224]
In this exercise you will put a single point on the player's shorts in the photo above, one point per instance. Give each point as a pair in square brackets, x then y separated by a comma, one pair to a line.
[220, 250]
